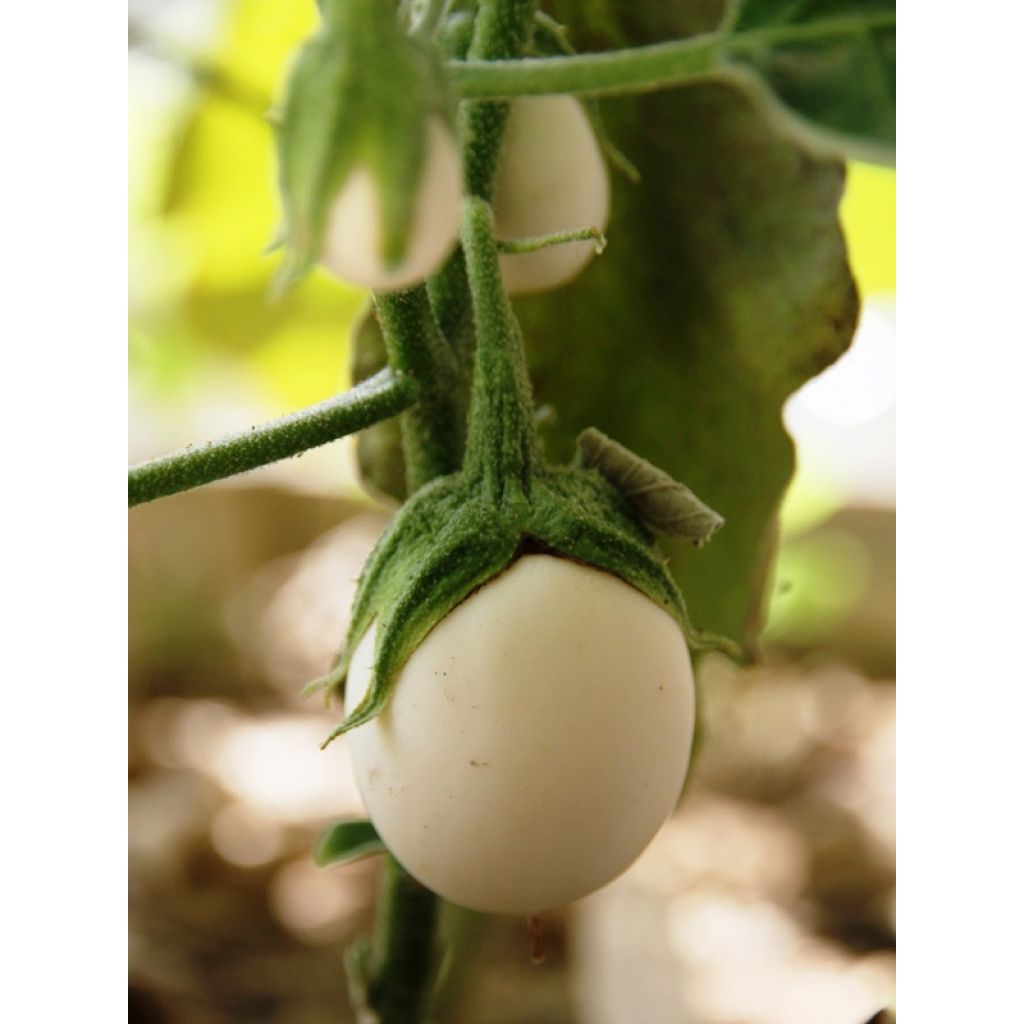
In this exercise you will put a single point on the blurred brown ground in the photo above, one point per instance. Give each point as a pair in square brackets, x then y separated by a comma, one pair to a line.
[767, 899]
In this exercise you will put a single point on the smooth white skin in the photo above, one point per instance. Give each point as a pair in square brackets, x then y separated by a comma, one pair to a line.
[534, 743]
[351, 247]
[551, 177]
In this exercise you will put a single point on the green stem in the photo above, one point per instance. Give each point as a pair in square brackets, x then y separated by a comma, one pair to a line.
[432, 431]
[403, 958]
[384, 395]
[502, 445]
[638, 69]
[521, 245]
[643, 68]
[500, 33]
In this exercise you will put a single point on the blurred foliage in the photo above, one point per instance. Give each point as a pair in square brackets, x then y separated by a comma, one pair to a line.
[202, 233]
[841, 85]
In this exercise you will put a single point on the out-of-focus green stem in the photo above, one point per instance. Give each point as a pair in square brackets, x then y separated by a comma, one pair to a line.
[403, 958]
[641, 68]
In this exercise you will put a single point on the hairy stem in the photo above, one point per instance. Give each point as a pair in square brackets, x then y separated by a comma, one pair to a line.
[521, 245]
[432, 429]
[500, 33]
[502, 445]
[384, 395]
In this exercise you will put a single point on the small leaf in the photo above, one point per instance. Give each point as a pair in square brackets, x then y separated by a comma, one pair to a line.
[664, 504]
[347, 841]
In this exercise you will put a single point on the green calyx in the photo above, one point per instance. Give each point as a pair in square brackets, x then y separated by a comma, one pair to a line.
[359, 95]
[461, 530]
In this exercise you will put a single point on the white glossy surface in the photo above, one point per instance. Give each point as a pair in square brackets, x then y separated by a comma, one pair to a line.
[534, 743]
[551, 177]
[351, 248]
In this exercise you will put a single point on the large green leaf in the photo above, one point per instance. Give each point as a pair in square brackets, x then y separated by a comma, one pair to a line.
[829, 67]
[724, 288]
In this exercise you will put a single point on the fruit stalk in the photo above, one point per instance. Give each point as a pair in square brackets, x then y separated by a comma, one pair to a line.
[502, 450]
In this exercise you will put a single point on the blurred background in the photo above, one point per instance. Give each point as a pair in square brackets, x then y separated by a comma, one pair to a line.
[767, 899]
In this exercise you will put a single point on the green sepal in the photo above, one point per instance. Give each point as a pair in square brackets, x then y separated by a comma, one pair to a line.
[359, 95]
[663, 503]
[347, 841]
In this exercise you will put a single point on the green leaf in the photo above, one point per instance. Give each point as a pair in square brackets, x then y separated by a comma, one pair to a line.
[347, 841]
[724, 288]
[826, 67]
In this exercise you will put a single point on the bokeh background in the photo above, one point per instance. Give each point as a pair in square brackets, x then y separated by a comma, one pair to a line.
[767, 899]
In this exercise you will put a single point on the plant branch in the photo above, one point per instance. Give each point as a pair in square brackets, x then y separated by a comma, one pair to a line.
[502, 441]
[521, 245]
[500, 34]
[384, 395]
[432, 430]
[638, 69]
[643, 68]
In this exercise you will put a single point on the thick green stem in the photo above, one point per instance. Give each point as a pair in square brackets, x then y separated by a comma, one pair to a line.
[432, 431]
[501, 29]
[502, 446]
[384, 395]
[403, 959]
[501, 32]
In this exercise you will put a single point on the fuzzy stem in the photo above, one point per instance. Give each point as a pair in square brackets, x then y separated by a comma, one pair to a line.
[520, 245]
[501, 32]
[501, 29]
[431, 429]
[502, 446]
[384, 395]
